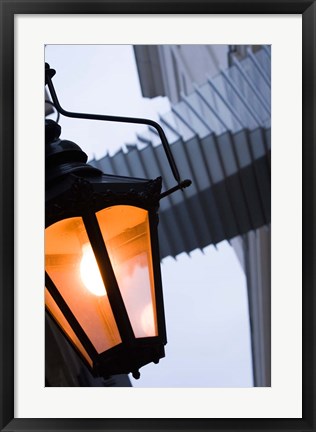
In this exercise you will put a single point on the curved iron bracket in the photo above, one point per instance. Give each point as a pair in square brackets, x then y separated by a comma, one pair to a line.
[49, 73]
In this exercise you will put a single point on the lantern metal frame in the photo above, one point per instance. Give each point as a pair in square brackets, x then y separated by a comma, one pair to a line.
[76, 189]
[84, 199]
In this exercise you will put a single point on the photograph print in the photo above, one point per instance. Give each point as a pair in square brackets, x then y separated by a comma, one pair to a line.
[158, 216]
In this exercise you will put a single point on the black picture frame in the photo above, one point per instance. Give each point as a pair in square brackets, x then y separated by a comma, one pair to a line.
[8, 9]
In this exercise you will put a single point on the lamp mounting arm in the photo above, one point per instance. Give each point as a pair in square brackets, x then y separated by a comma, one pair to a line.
[49, 73]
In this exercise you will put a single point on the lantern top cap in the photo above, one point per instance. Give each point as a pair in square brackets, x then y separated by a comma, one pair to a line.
[63, 157]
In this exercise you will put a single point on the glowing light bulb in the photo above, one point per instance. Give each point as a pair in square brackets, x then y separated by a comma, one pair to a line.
[90, 273]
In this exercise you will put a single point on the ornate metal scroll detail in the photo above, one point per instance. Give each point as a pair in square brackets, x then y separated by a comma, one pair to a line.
[81, 194]
[148, 197]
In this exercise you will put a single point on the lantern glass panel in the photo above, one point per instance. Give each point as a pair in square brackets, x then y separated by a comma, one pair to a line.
[71, 264]
[126, 233]
[61, 320]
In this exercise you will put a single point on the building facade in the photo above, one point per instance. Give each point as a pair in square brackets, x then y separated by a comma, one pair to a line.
[194, 78]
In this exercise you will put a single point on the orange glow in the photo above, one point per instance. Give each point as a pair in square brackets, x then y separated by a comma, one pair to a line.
[147, 320]
[89, 272]
[72, 266]
[64, 252]
[60, 318]
[125, 230]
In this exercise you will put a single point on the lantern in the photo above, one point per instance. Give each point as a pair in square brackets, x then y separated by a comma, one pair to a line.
[102, 266]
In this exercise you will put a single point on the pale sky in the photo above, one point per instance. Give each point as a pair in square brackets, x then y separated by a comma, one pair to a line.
[205, 293]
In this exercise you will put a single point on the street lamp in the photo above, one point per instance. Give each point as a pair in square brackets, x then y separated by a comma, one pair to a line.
[102, 266]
